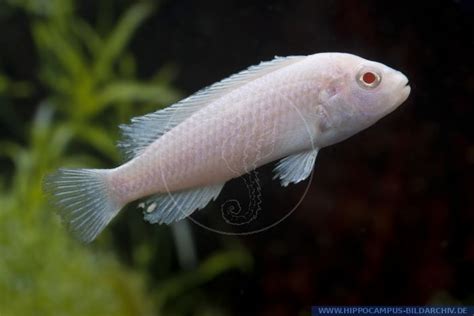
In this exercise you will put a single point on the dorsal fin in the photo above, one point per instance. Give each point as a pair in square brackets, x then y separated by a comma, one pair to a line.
[144, 130]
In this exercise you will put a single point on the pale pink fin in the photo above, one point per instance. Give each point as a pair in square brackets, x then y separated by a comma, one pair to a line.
[83, 200]
[295, 168]
[172, 207]
[144, 130]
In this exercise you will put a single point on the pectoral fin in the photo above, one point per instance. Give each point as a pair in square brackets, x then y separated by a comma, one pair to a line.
[295, 168]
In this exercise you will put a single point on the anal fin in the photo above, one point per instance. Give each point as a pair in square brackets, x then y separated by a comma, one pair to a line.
[174, 206]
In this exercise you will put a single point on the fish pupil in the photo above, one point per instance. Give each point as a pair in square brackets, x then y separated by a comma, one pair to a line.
[369, 77]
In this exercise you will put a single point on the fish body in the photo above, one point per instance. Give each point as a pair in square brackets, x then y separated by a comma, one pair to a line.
[246, 128]
[182, 156]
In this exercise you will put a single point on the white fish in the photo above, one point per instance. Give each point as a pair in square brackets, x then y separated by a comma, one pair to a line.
[181, 156]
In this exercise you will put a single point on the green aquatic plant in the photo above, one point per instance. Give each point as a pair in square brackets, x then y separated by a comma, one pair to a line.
[42, 271]
[87, 84]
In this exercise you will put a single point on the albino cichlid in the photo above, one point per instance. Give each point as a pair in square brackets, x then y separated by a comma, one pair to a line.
[181, 156]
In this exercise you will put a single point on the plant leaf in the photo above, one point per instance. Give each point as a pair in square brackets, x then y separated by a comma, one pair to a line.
[133, 91]
[121, 35]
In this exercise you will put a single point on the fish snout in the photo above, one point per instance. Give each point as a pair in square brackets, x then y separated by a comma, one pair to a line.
[403, 87]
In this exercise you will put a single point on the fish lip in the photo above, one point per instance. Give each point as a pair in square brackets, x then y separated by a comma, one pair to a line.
[405, 92]
[405, 81]
[404, 89]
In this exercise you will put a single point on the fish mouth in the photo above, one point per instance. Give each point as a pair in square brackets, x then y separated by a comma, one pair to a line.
[405, 92]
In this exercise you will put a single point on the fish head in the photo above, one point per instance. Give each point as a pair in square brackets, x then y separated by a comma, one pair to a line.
[358, 94]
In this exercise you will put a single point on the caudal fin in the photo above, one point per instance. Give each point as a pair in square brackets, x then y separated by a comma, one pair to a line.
[83, 200]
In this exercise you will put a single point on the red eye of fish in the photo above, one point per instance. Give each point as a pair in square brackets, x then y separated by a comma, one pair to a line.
[368, 79]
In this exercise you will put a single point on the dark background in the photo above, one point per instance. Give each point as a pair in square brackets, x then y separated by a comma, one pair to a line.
[388, 219]
[389, 214]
